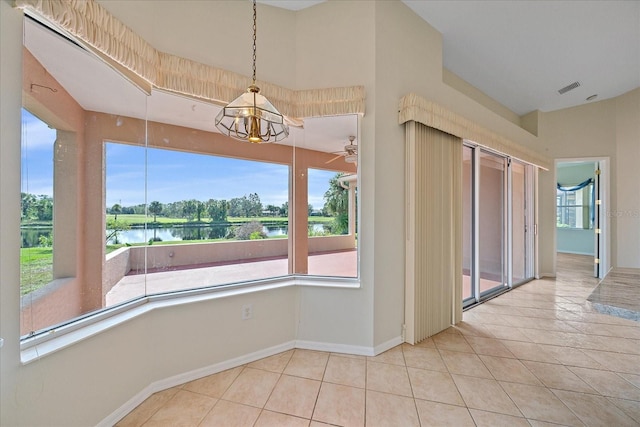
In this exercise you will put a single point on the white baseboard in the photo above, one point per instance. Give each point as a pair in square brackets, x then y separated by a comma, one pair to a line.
[335, 348]
[575, 252]
[381, 348]
[175, 380]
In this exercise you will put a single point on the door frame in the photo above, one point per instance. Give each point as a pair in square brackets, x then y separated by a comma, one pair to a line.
[604, 248]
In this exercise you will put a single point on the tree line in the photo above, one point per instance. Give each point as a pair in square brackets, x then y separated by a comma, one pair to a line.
[247, 206]
[36, 207]
[215, 210]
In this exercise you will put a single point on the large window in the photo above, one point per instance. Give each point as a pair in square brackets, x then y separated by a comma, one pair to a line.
[140, 196]
[36, 214]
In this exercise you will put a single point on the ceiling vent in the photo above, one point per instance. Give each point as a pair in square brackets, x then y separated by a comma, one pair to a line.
[568, 88]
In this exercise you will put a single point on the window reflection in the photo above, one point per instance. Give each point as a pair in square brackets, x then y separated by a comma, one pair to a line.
[332, 223]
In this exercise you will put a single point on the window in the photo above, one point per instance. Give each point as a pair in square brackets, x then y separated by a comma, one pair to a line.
[145, 198]
[332, 223]
[574, 207]
[36, 214]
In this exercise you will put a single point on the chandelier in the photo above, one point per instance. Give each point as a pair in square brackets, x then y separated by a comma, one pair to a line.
[251, 117]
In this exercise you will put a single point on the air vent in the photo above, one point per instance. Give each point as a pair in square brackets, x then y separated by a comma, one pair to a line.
[568, 88]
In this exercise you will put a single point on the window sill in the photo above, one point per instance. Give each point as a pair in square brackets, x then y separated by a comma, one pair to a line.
[38, 346]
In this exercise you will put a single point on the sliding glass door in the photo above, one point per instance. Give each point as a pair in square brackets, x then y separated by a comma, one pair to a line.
[468, 251]
[497, 244]
[491, 226]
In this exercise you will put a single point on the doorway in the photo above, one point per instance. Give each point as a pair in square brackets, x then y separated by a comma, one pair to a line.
[497, 223]
[582, 226]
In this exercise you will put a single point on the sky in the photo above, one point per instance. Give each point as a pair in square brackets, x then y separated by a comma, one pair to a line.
[36, 156]
[171, 175]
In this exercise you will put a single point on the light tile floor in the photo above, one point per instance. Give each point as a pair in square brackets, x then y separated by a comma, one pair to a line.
[536, 356]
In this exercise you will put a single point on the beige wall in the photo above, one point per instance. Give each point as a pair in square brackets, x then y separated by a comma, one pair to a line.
[605, 129]
[625, 214]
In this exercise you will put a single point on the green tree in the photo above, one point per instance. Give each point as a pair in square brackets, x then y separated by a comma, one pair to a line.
[155, 208]
[236, 207]
[43, 208]
[200, 209]
[189, 209]
[336, 197]
[255, 206]
[337, 205]
[284, 209]
[272, 210]
[114, 227]
[115, 210]
[27, 203]
[217, 210]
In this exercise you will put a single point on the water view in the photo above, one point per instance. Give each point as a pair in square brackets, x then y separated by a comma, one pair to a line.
[31, 237]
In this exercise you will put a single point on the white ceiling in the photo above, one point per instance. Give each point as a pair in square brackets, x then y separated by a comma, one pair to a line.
[521, 52]
[518, 52]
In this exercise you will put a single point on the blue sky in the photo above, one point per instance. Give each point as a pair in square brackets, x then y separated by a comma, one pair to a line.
[37, 156]
[171, 175]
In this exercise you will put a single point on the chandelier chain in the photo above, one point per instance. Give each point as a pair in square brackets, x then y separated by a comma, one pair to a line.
[254, 42]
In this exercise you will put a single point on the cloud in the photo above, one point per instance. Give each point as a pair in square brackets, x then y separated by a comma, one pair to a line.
[36, 135]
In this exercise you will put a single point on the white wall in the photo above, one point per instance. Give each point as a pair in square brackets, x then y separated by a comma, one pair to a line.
[334, 47]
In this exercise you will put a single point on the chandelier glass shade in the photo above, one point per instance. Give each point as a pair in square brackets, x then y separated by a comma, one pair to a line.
[251, 117]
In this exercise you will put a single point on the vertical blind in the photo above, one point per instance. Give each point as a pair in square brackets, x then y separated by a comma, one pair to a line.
[433, 296]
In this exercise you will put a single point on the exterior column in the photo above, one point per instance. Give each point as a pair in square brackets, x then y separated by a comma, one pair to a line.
[65, 206]
[299, 221]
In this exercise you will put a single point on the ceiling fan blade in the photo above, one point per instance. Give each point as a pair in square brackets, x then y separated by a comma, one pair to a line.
[334, 159]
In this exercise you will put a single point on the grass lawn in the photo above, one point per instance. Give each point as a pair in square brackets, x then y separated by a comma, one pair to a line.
[36, 264]
[36, 268]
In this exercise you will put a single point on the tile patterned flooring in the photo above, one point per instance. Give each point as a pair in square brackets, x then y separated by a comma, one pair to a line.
[537, 356]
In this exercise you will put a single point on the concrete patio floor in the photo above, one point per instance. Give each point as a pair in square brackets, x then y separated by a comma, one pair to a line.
[335, 264]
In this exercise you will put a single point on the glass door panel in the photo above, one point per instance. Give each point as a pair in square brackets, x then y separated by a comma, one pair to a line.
[491, 222]
[519, 245]
[468, 288]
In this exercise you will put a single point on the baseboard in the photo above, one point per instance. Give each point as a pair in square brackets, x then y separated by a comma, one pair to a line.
[387, 345]
[575, 252]
[335, 348]
[175, 380]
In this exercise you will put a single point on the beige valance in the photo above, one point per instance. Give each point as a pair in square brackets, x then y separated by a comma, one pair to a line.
[94, 26]
[418, 109]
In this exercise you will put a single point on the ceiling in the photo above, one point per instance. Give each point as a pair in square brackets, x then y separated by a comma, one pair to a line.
[97, 87]
[521, 53]
[517, 52]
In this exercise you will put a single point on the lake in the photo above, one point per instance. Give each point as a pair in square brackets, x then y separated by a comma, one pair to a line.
[31, 236]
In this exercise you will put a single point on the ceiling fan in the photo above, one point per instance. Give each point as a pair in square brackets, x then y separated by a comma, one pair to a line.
[350, 152]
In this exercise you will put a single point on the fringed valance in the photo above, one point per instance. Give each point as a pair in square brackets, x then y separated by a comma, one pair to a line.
[418, 109]
[94, 26]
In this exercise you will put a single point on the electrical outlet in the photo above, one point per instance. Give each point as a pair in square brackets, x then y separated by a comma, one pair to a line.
[247, 311]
